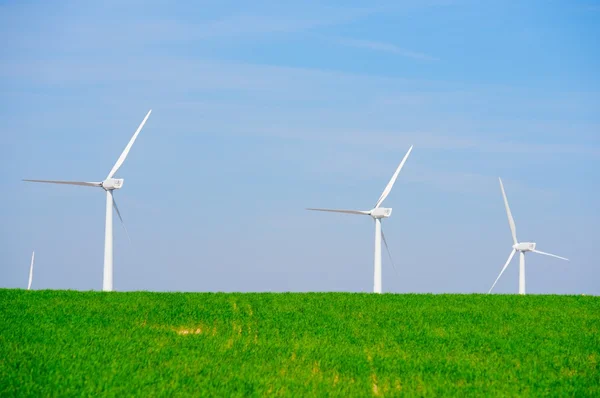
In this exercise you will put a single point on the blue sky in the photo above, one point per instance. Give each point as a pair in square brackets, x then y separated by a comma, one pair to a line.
[264, 108]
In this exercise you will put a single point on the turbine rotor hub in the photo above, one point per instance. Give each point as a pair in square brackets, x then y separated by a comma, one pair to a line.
[380, 212]
[524, 246]
[110, 184]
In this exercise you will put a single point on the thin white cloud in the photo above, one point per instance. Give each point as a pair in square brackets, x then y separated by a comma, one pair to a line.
[398, 141]
[322, 106]
[119, 34]
[593, 7]
[384, 47]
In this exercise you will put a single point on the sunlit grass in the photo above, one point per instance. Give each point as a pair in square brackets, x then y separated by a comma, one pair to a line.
[149, 344]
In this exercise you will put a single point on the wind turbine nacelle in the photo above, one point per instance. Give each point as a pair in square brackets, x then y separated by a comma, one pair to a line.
[381, 212]
[112, 183]
[524, 247]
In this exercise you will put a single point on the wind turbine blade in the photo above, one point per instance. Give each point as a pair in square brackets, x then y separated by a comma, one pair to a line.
[121, 218]
[549, 254]
[512, 253]
[366, 213]
[511, 221]
[83, 183]
[128, 148]
[390, 184]
[388, 252]
[31, 271]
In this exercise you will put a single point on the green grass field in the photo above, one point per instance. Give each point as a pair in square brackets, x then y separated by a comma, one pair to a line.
[66, 343]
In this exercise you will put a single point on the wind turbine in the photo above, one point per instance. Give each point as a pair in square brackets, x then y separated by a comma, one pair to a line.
[109, 185]
[521, 247]
[377, 213]
[31, 271]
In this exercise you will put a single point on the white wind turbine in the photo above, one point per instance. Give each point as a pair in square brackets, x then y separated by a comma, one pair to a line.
[377, 213]
[521, 247]
[109, 185]
[31, 271]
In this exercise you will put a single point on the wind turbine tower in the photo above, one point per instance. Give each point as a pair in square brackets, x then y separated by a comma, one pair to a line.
[31, 271]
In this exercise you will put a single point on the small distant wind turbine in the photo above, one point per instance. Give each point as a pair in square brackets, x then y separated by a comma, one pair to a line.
[522, 248]
[109, 185]
[377, 213]
[31, 271]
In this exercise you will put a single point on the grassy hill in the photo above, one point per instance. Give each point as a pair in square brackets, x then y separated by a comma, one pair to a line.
[164, 344]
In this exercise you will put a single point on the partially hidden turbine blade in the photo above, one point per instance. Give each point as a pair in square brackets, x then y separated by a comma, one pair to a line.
[127, 148]
[511, 221]
[31, 271]
[388, 251]
[82, 183]
[361, 212]
[390, 184]
[549, 254]
[512, 253]
[120, 218]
